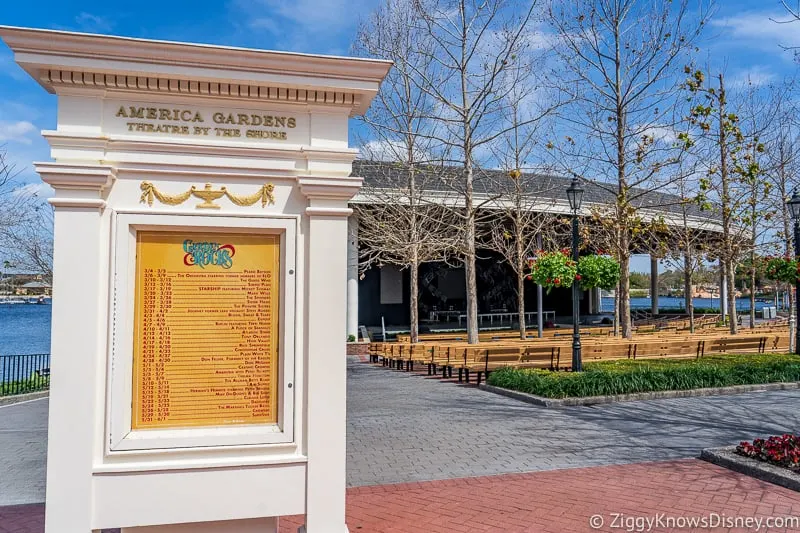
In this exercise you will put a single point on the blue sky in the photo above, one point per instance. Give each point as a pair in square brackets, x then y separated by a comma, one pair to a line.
[742, 39]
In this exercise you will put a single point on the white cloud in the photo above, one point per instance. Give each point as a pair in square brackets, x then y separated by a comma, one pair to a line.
[661, 134]
[387, 150]
[10, 68]
[16, 132]
[760, 29]
[320, 26]
[754, 77]
[34, 190]
[88, 22]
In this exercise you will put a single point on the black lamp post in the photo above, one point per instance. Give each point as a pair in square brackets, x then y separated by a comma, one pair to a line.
[575, 197]
[794, 209]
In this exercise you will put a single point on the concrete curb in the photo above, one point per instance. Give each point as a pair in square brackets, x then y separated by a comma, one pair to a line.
[19, 398]
[726, 458]
[657, 395]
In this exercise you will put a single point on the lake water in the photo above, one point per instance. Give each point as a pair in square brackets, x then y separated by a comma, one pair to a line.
[24, 328]
[671, 303]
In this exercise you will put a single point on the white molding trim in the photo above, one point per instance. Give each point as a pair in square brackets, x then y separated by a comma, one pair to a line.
[77, 185]
[60, 140]
[77, 202]
[79, 61]
[320, 188]
[76, 175]
[329, 211]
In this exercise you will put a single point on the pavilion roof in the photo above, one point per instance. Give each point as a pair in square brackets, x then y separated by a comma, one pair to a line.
[489, 182]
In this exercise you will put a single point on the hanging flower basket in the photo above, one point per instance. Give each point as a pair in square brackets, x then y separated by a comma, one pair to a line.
[783, 269]
[598, 271]
[553, 269]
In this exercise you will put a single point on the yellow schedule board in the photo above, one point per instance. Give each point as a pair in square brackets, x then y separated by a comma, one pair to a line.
[205, 329]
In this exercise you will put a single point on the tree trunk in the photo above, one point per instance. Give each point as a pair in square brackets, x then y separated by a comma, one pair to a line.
[521, 303]
[622, 192]
[414, 302]
[469, 259]
[731, 283]
[687, 288]
[792, 335]
[520, 266]
[752, 291]
[727, 239]
[616, 311]
[624, 296]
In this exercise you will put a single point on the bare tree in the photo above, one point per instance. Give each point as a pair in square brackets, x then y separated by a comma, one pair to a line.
[618, 63]
[783, 170]
[687, 242]
[398, 223]
[26, 224]
[730, 129]
[794, 11]
[478, 46]
[520, 228]
[522, 223]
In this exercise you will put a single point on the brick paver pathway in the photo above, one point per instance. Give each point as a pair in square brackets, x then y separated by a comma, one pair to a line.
[559, 501]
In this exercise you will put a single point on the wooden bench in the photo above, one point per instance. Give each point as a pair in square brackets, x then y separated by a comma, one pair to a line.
[777, 343]
[489, 359]
[668, 349]
[748, 343]
[607, 351]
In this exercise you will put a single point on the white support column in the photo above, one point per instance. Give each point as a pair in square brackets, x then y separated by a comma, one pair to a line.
[654, 284]
[352, 276]
[77, 346]
[326, 361]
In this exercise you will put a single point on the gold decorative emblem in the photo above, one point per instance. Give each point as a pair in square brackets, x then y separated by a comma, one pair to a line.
[208, 195]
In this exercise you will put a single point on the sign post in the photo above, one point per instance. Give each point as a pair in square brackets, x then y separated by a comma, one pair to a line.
[198, 343]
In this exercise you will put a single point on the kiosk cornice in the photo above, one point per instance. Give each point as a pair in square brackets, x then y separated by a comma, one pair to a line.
[77, 185]
[93, 60]
[329, 196]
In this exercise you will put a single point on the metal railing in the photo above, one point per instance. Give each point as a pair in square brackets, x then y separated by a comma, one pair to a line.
[24, 373]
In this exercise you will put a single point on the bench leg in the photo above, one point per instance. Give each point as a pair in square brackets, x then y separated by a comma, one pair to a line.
[412, 366]
[450, 371]
[429, 369]
[460, 375]
[435, 371]
[479, 378]
[466, 375]
[444, 372]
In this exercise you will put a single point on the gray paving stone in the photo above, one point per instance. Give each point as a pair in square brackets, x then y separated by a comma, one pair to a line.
[23, 452]
[408, 427]
[456, 430]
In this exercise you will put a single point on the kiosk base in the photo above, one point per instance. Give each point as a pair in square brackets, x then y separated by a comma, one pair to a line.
[253, 525]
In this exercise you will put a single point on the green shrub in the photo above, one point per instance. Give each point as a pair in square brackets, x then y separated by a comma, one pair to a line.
[23, 386]
[629, 376]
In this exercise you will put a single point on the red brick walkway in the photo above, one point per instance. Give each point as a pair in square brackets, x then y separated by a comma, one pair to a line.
[559, 501]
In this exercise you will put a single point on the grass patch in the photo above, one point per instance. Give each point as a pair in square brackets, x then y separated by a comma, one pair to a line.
[24, 386]
[628, 376]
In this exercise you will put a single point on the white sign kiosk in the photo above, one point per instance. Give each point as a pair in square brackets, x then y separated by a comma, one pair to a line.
[198, 342]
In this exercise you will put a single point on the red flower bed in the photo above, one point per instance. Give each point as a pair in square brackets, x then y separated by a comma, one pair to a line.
[781, 451]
